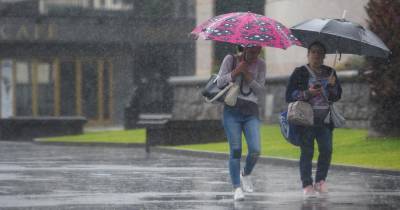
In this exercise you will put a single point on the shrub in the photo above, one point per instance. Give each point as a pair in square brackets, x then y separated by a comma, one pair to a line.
[384, 75]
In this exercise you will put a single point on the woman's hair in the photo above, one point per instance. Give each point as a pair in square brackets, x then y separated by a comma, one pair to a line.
[317, 43]
[240, 48]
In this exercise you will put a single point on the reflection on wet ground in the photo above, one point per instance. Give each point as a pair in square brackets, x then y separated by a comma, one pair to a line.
[93, 177]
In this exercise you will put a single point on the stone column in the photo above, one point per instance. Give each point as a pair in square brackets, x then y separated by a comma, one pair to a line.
[204, 48]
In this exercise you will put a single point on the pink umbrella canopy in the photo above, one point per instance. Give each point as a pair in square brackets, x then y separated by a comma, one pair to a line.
[246, 29]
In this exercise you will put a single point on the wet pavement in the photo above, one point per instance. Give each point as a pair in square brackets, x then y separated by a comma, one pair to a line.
[34, 176]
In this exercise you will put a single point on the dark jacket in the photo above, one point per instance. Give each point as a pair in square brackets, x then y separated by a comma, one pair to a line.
[299, 81]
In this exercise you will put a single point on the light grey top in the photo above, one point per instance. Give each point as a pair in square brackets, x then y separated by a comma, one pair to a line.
[257, 70]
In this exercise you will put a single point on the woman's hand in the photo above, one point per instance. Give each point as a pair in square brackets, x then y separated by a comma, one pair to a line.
[315, 90]
[332, 80]
[247, 75]
[241, 68]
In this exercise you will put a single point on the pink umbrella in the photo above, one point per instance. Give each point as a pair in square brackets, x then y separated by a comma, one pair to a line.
[246, 29]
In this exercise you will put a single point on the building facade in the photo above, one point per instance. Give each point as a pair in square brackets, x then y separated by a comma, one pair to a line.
[89, 58]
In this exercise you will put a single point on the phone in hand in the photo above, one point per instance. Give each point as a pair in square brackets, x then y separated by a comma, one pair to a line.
[317, 86]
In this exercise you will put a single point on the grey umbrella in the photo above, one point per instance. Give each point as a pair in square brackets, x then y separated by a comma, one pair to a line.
[340, 36]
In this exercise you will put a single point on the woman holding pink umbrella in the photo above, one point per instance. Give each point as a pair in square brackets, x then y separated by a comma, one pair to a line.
[243, 116]
[251, 31]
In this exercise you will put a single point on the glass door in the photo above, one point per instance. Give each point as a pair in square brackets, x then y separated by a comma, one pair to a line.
[23, 88]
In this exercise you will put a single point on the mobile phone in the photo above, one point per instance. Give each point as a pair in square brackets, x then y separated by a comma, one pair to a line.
[317, 86]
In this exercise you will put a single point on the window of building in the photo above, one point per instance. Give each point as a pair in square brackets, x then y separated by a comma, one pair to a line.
[45, 88]
[23, 73]
[83, 7]
[23, 88]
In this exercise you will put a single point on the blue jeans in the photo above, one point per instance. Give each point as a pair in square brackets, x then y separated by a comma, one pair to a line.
[234, 123]
[323, 135]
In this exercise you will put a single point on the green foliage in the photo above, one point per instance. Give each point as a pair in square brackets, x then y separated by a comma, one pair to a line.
[384, 76]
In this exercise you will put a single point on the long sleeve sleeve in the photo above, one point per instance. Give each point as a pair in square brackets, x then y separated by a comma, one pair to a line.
[258, 83]
[296, 89]
[335, 91]
[224, 74]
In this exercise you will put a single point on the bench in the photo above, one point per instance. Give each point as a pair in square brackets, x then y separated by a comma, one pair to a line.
[152, 122]
[28, 128]
[161, 129]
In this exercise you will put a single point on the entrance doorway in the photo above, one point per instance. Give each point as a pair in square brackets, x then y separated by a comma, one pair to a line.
[57, 87]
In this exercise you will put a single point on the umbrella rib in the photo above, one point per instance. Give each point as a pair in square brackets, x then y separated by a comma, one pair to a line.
[362, 41]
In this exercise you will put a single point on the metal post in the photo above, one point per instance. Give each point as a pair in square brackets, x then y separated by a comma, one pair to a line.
[147, 145]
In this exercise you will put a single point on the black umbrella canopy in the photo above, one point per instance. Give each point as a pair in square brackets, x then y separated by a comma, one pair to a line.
[340, 36]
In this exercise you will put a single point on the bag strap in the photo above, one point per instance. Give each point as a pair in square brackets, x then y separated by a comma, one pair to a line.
[233, 62]
[310, 71]
[226, 88]
[240, 78]
[313, 75]
[241, 87]
[222, 92]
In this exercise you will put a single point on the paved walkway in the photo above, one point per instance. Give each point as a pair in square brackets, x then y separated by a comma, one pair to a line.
[34, 176]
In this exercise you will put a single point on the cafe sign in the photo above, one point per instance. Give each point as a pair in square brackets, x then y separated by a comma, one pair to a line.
[28, 31]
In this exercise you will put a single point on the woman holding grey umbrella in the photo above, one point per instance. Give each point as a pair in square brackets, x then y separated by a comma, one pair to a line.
[318, 85]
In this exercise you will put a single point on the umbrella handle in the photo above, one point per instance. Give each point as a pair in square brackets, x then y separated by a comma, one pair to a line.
[334, 61]
[340, 57]
[344, 14]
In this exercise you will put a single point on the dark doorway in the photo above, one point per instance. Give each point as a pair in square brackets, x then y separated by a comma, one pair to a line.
[67, 88]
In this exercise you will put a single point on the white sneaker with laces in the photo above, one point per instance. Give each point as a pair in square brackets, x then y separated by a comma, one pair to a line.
[238, 195]
[247, 185]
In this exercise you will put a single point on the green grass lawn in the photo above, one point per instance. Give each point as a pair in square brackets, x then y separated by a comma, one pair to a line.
[350, 146]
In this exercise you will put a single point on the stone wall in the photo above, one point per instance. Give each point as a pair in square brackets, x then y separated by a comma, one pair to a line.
[189, 104]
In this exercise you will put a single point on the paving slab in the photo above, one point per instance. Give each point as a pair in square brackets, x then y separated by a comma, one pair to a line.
[36, 176]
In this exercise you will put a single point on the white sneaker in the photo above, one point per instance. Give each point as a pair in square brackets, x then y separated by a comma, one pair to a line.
[239, 195]
[247, 185]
